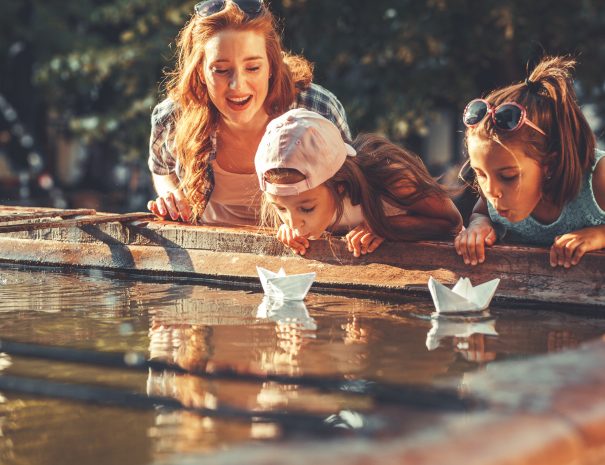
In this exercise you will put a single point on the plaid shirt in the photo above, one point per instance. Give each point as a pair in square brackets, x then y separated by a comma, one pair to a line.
[161, 144]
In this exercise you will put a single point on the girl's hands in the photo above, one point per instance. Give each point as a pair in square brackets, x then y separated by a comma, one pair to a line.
[362, 240]
[173, 204]
[569, 248]
[471, 242]
[288, 237]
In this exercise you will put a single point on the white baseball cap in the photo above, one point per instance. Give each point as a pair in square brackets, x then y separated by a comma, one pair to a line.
[305, 141]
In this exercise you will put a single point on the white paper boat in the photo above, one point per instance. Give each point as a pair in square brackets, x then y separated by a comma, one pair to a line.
[446, 327]
[463, 297]
[282, 287]
[292, 312]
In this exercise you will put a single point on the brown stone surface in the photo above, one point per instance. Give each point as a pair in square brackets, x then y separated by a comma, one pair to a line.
[231, 254]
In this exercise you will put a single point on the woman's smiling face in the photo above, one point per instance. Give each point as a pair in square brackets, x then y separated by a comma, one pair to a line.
[309, 213]
[510, 180]
[236, 71]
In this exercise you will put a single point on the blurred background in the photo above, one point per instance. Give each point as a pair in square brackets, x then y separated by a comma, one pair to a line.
[78, 79]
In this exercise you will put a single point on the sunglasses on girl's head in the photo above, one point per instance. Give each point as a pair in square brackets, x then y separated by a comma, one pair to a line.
[508, 116]
[209, 7]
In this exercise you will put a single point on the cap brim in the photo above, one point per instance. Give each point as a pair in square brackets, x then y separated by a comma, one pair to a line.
[351, 152]
[286, 189]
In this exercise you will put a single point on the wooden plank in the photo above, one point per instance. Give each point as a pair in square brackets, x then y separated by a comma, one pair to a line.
[76, 223]
[21, 216]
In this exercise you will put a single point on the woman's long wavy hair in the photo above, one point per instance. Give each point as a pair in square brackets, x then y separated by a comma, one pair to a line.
[378, 172]
[196, 118]
[568, 149]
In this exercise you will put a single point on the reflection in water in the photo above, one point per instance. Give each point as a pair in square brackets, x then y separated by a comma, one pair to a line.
[207, 328]
[292, 313]
[355, 331]
[459, 328]
[293, 328]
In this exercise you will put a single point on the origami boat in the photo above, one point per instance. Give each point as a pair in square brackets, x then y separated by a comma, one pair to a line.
[463, 297]
[280, 286]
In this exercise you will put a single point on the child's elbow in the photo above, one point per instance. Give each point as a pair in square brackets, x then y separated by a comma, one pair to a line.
[455, 222]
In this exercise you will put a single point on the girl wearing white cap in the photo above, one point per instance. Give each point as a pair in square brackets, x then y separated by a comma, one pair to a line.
[313, 182]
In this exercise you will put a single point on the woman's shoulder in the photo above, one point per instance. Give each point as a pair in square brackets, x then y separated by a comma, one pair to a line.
[316, 97]
[320, 100]
[163, 112]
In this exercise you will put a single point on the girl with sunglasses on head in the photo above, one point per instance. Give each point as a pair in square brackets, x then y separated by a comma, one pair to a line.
[314, 182]
[230, 79]
[541, 178]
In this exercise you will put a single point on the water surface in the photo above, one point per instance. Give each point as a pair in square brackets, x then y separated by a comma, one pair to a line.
[202, 327]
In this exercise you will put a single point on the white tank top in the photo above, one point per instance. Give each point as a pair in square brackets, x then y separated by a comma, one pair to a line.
[234, 200]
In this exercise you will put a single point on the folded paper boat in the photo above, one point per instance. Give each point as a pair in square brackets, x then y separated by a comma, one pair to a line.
[463, 297]
[285, 287]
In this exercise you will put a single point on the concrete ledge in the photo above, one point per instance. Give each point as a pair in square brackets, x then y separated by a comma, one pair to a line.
[231, 254]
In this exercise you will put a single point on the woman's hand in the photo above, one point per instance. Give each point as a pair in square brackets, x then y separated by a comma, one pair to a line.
[173, 204]
[568, 249]
[471, 242]
[362, 240]
[296, 243]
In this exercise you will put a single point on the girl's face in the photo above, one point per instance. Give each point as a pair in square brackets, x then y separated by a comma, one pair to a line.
[308, 214]
[236, 72]
[510, 180]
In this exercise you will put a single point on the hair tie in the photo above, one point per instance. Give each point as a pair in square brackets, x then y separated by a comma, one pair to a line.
[533, 86]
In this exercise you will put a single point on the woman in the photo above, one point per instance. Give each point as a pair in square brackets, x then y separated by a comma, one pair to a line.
[231, 79]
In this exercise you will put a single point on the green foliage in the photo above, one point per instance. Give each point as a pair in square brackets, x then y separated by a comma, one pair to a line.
[99, 64]
[393, 62]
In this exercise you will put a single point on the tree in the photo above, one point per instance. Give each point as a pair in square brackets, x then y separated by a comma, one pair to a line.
[98, 65]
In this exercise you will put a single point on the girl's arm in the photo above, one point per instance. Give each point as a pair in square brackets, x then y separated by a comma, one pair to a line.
[568, 249]
[471, 242]
[598, 183]
[431, 217]
[428, 218]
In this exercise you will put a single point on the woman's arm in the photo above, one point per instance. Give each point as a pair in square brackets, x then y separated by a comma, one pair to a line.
[171, 202]
[164, 184]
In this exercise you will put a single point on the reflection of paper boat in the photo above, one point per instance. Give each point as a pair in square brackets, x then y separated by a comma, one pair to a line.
[286, 312]
[463, 297]
[282, 287]
[444, 327]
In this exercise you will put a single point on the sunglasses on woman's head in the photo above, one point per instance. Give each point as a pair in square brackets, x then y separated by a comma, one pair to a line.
[209, 7]
[508, 116]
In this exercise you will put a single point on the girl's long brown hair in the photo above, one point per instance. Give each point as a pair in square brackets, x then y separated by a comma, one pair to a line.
[568, 150]
[378, 172]
[196, 118]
